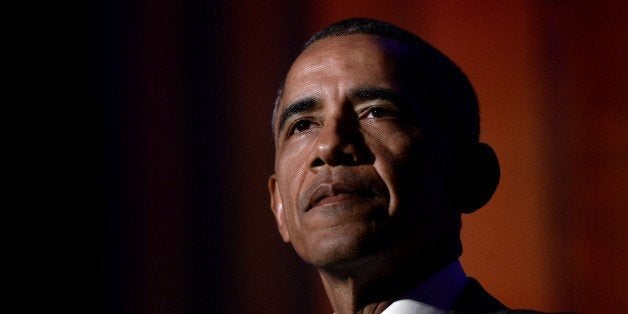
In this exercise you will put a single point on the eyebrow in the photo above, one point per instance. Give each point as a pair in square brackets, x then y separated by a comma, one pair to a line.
[303, 105]
[372, 93]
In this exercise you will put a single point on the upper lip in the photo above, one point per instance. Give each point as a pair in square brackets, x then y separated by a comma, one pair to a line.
[325, 190]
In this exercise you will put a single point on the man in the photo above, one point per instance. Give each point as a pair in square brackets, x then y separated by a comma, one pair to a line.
[377, 156]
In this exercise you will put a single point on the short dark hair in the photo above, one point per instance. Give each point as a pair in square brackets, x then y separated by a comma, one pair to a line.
[445, 90]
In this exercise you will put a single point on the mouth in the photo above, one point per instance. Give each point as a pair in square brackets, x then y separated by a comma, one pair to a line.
[337, 193]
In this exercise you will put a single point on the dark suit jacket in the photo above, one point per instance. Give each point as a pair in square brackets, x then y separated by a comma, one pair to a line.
[474, 299]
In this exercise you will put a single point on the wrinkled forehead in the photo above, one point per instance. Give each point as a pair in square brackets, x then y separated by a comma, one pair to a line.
[355, 55]
[357, 48]
[349, 48]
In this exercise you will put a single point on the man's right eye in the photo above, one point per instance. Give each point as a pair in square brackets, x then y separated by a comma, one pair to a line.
[300, 126]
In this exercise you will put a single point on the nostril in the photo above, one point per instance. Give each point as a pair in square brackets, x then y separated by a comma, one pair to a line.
[317, 162]
[347, 159]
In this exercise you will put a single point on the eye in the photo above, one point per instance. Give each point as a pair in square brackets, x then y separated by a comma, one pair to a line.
[379, 112]
[300, 126]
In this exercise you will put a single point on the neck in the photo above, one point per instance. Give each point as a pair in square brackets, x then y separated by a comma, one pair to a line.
[349, 295]
[371, 286]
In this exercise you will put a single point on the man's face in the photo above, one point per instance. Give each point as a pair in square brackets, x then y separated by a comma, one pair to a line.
[353, 177]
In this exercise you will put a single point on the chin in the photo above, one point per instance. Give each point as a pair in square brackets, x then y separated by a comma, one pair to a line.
[341, 246]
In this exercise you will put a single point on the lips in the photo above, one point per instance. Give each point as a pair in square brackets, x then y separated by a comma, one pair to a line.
[338, 192]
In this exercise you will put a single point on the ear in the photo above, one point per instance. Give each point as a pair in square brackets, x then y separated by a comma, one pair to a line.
[476, 178]
[277, 207]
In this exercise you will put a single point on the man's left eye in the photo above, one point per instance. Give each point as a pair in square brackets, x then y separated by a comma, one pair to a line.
[378, 112]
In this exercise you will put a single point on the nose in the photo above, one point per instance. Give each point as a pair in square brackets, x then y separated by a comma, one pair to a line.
[339, 142]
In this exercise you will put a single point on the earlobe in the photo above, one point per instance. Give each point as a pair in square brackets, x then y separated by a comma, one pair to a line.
[276, 206]
[477, 178]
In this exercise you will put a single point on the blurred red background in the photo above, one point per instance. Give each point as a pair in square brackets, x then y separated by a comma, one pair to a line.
[186, 90]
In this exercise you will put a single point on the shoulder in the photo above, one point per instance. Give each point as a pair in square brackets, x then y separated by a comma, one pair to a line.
[474, 299]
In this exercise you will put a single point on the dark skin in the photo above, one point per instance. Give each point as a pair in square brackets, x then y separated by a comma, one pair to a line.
[358, 190]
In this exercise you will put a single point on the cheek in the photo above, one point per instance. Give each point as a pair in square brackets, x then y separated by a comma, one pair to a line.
[394, 161]
[392, 139]
[291, 170]
[293, 153]
[292, 163]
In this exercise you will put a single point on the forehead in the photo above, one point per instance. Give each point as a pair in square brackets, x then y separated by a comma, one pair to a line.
[358, 58]
[357, 48]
